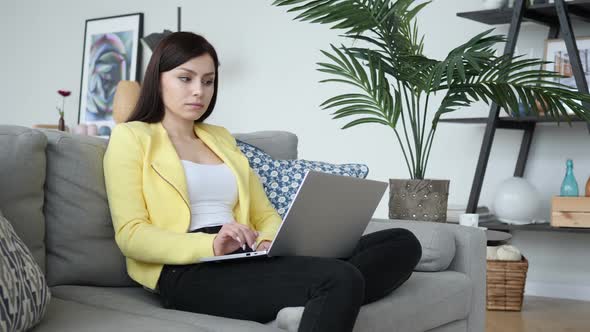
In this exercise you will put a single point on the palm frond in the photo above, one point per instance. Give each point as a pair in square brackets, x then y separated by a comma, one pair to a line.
[465, 61]
[451, 102]
[392, 21]
[354, 16]
[414, 69]
[375, 99]
[510, 82]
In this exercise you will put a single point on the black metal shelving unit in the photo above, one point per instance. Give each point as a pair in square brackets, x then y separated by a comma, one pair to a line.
[500, 226]
[558, 17]
[542, 13]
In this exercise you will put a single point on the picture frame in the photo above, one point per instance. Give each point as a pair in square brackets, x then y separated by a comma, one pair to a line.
[556, 52]
[112, 52]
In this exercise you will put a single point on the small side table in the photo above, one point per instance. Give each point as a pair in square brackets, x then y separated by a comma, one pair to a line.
[497, 238]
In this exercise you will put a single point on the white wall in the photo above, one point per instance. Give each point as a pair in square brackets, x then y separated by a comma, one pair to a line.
[268, 81]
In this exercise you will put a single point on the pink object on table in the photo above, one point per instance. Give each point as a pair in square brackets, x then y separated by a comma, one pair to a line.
[81, 129]
[92, 130]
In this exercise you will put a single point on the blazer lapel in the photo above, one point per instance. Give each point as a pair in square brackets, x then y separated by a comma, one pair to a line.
[167, 163]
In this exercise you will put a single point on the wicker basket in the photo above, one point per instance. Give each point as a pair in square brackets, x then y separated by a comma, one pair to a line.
[505, 284]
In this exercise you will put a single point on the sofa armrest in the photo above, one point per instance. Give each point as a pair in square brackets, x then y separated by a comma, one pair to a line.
[470, 259]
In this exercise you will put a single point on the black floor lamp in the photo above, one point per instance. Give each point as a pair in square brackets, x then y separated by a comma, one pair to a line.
[153, 39]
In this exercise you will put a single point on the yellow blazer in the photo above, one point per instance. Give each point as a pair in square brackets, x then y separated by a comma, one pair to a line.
[149, 202]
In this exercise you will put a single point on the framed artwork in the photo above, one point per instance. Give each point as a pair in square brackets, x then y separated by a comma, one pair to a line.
[112, 52]
[556, 52]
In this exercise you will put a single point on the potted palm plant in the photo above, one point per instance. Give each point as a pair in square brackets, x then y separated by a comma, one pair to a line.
[394, 81]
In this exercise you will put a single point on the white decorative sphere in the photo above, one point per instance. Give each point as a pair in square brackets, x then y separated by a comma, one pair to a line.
[516, 202]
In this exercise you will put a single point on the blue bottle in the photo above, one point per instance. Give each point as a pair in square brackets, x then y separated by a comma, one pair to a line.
[569, 186]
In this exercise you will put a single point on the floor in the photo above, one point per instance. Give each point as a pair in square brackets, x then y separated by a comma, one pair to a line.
[541, 314]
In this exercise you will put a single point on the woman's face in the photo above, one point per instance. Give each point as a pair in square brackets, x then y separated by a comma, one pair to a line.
[187, 89]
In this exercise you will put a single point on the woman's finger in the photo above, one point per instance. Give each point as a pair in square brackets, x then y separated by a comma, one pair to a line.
[242, 237]
[262, 247]
[230, 233]
[249, 235]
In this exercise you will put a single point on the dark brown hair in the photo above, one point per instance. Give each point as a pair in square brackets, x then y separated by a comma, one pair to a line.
[174, 50]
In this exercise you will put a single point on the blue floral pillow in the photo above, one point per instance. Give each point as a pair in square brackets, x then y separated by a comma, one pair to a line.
[282, 178]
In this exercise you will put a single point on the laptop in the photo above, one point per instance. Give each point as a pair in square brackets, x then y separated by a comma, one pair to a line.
[326, 218]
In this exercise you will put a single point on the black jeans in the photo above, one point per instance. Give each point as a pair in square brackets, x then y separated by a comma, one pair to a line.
[332, 290]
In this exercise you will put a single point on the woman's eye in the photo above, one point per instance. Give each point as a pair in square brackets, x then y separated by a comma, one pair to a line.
[184, 79]
[209, 82]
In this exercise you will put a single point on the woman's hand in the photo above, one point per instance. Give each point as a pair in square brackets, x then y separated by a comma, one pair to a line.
[264, 245]
[233, 236]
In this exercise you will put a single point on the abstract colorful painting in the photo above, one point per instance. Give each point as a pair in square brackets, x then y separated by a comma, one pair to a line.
[111, 54]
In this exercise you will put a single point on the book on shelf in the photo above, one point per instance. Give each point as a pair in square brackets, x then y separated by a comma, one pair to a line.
[454, 212]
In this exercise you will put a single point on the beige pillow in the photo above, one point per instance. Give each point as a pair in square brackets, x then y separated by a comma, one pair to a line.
[126, 97]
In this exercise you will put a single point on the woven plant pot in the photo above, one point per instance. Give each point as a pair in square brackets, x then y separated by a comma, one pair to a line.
[424, 200]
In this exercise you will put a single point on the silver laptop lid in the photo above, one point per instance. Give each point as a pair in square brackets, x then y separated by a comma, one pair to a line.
[327, 216]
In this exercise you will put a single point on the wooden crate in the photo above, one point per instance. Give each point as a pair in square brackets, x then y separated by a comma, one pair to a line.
[570, 212]
[505, 284]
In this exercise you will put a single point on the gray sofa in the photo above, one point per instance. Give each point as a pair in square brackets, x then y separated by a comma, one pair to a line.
[53, 193]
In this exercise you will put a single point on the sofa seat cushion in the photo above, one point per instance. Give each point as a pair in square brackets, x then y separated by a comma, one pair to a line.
[137, 301]
[456, 326]
[427, 300]
[71, 316]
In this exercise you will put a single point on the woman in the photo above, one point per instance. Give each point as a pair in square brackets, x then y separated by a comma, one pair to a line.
[180, 190]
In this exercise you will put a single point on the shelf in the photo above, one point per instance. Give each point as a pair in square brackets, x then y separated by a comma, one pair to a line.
[540, 13]
[500, 226]
[512, 122]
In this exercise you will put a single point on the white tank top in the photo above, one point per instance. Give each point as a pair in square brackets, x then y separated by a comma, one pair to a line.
[213, 193]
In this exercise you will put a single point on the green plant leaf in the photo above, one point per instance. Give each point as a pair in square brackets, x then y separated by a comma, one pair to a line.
[365, 120]
[338, 115]
[345, 96]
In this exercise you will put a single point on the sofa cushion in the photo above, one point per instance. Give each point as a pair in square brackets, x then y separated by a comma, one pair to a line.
[24, 294]
[71, 316]
[456, 326]
[22, 175]
[138, 301]
[425, 301]
[437, 241]
[281, 179]
[278, 144]
[80, 239]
